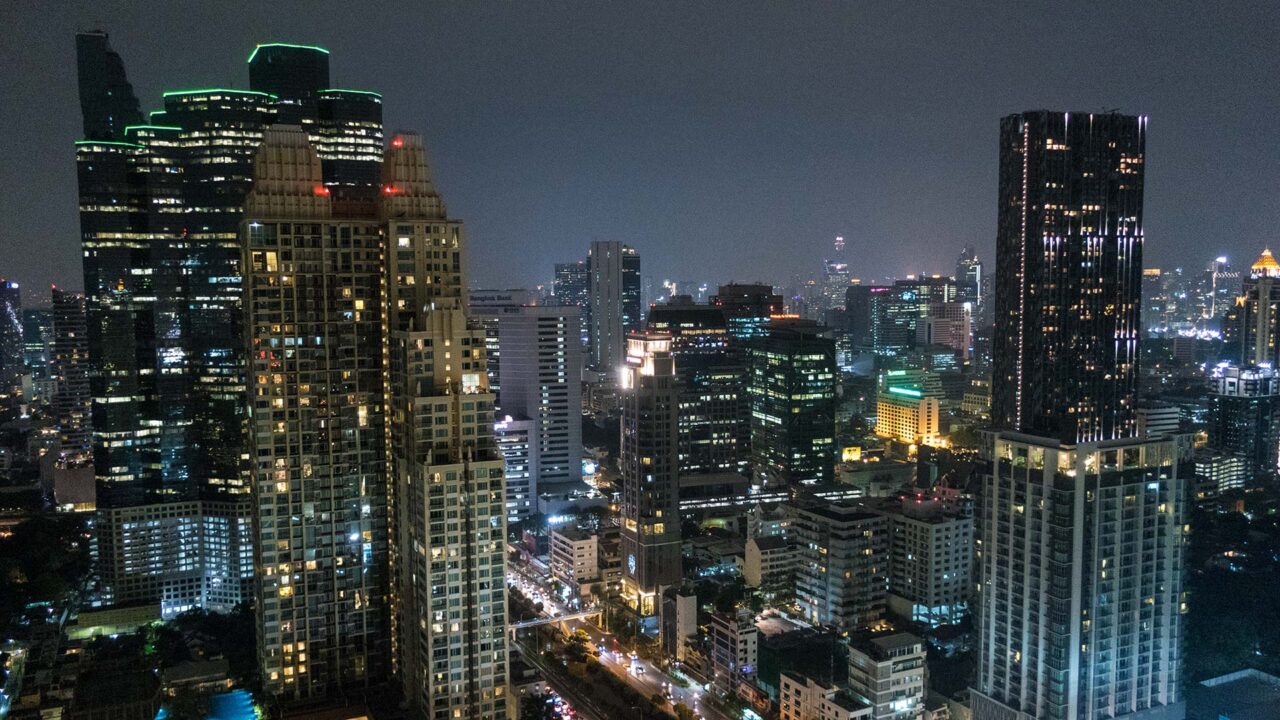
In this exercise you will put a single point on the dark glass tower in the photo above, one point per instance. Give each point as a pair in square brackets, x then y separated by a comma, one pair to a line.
[107, 101]
[10, 333]
[292, 73]
[1069, 243]
[792, 385]
[710, 372]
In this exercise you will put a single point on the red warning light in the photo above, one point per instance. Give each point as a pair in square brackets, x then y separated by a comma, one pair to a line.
[397, 141]
[321, 190]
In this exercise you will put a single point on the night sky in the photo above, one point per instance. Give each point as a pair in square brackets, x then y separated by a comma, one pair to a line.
[727, 140]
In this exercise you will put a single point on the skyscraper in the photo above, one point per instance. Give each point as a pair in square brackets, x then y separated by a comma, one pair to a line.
[572, 286]
[1244, 415]
[650, 466]
[1251, 327]
[11, 365]
[1080, 556]
[541, 378]
[1080, 525]
[615, 302]
[107, 102]
[792, 386]
[715, 431]
[315, 318]
[747, 308]
[69, 366]
[1069, 243]
[448, 539]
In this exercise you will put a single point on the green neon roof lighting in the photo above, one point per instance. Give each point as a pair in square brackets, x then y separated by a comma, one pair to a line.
[288, 45]
[218, 90]
[150, 127]
[109, 142]
[358, 92]
[154, 113]
[906, 391]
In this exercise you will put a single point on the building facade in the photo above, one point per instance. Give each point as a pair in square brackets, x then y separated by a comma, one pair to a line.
[1069, 248]
[1080, 580]
[615, 302]
[650, 465]
[843, 564]
[792, 387]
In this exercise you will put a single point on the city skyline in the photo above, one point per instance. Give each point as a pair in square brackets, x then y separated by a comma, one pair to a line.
[598, 150]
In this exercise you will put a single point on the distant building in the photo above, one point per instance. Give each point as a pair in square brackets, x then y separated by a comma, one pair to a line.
[1217, 473]
[769, 563]
[1154, 419]
[615, 303]
[792, 386]
[11, 345]
[1244, 414]
[1251, 327]
[747, 308]
[905, 414]
[572, 287]
[515, 439]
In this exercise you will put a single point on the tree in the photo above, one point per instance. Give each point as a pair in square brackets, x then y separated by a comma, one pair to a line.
[684, 712]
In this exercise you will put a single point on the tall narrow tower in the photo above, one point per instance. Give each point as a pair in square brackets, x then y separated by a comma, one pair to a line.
[650, 471]
[615, 302]
[1069, 242]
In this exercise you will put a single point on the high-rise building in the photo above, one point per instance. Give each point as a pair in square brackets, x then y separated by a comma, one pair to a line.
[1251, 328]
[930, 559]
[107, 102]
[615, 302]
[714, 411]
[541, 378]
[1153, 301]
[11, 345]
[37, 352]
[1069, 243]
[161, 207]
[841, 573]
[1080, 596]
[572, 286]
[792, 386]
[404, 542]
[650, 466]
[71, 403]
[315, 317]
[1244, 414]
[514, 437]
[747, 308]
[448, 539]
[969, 278]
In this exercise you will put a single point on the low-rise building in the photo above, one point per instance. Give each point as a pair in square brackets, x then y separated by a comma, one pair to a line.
[574, 557]
[769, 563]
[803, 698]
[888, 673]
[733, 644]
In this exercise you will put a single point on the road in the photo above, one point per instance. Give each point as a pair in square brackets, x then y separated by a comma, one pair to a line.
[646, 678]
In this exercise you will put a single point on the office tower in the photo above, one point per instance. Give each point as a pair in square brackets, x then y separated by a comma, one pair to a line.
[1080, 554]
[791, 383]
[37, 353]
[882, 318]
[949, 324]
[1153, 302]
[515, 438]
[615, 302]
[487, 308]
[541, 380]
[107, 102]
[836, 280]
[1069, 242]
[71, 403]
[1244, 414]
[314, 314]
[888, 673]
[448, 530]
[1251, 328]
[11, 345]
[347, 134]
[969, 277]
[572, 286]
[291, 73]
[841, 573]
[747, 308]
[714, 412]
[650, 466]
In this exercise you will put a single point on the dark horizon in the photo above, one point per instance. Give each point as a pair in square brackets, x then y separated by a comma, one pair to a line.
[736, 145]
